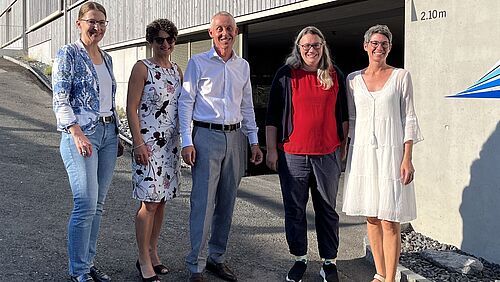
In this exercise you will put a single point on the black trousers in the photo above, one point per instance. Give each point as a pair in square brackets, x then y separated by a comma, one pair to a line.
[321, 174]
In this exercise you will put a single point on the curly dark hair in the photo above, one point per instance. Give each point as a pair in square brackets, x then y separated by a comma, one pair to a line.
[158, 25]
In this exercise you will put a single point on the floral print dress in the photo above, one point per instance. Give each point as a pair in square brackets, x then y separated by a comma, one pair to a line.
[160, 178]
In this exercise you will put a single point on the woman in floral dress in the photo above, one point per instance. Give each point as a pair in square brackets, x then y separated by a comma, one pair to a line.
[154, 87]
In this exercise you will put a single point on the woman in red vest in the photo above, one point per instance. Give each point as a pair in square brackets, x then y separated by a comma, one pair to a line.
[306, 124]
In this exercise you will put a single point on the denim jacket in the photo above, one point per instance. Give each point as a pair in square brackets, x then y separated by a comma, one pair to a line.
[76, 88]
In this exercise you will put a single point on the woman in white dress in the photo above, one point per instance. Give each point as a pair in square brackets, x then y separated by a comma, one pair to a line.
[153, 90]
[383, 127]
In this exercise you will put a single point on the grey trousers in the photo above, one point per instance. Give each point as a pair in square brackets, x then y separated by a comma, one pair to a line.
[217, 174]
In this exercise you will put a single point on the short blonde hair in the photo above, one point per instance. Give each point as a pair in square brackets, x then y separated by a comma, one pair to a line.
[91, 6]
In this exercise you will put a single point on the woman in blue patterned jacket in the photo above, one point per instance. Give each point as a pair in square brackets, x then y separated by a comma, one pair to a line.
[84, 104]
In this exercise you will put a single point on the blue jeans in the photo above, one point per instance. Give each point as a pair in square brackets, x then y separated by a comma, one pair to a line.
[89, 179]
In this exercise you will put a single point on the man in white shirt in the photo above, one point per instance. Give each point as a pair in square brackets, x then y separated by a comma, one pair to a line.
[217, 97]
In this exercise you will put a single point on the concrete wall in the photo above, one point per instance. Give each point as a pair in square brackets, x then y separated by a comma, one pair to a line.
[11, 22]
[123, 61]
[450, 45]
[42, 52]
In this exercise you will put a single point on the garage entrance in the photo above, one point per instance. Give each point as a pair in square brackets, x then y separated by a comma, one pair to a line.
[343, 23]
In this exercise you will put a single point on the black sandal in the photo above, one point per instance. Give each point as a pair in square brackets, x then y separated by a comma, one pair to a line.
[160, 269]
[149, 279]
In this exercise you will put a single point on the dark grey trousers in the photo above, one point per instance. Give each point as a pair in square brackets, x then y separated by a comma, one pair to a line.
[321, 173]
[217, 174]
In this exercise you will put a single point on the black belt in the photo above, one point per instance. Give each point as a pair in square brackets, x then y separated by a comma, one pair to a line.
[108, 119]
[216, 126]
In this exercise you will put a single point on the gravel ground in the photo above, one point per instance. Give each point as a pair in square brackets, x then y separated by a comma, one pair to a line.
[412, 243]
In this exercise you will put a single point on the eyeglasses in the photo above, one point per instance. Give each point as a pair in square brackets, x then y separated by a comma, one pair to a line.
[160, 40]
[375, 44]
[94, 22]
[308, 46]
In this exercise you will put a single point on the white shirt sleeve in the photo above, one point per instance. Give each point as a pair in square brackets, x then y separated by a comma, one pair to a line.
[186, 102]
[248, 124]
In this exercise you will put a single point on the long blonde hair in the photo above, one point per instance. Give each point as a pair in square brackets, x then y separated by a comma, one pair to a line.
[325, 63]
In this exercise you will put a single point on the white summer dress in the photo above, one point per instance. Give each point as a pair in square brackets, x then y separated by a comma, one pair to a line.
[159, 124]
[379, 124]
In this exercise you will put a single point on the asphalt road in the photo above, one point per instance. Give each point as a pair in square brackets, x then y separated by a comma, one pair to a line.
[36, 201]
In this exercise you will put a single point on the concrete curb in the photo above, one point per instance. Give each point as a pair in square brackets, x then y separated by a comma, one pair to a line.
[403, 274]
[28, 67]
[44, 81]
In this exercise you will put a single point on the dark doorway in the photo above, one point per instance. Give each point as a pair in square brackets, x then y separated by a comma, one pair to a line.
[342, 22]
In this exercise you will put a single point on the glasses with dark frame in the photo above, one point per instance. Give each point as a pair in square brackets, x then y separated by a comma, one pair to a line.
[375, 44]
[308, 46]
[93, 22]
[160, 40]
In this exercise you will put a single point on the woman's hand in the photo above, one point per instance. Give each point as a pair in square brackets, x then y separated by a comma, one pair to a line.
[272, 159]
[82, 143]
[407, 171]
[120, 150]
[142, 154]
[343, 149]
[272, 151]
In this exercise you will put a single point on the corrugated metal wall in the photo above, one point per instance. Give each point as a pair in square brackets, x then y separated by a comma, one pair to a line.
[4, 4]
[128, 18]
[39, 10]
[55, 29]
[185, 14]
[11, 21]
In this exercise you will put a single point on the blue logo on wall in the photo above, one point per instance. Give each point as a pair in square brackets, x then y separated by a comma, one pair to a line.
[487, 86]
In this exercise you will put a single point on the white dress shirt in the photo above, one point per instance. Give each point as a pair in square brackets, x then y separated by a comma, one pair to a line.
[219, 92]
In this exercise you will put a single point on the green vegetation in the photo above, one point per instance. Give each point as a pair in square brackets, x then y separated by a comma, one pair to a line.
[28, 59]
[122, 114]
[48, 70]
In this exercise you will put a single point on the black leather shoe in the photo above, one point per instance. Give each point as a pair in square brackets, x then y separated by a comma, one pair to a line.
[221, 270]
[98, 275]
[197, 277]
[82, 278]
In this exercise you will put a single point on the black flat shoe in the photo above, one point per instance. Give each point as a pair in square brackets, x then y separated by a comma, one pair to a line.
[160, 269]
[149, 279]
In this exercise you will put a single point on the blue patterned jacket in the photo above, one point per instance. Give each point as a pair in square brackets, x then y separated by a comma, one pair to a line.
[76, 88]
